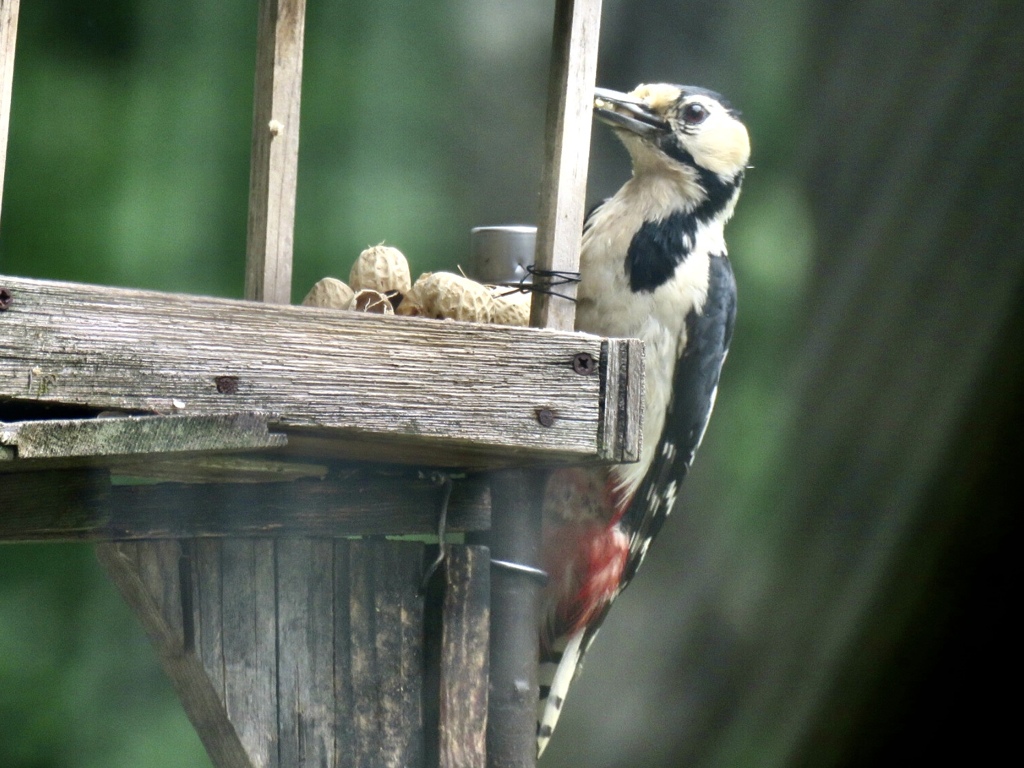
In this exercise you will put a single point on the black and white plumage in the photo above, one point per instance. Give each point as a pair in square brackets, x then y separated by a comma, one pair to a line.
[653, 266]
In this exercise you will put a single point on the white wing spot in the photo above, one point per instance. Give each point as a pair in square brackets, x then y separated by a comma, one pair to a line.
[670, 496]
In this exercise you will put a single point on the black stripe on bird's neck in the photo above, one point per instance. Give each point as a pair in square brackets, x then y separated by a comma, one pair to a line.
[717, 192]
[660, 246]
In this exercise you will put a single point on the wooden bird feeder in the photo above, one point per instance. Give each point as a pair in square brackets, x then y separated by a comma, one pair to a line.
[240, 465]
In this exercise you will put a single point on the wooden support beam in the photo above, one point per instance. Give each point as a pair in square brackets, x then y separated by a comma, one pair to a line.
[131, 435]
[83, 505]
[8, 38]
[567, 153]
[274, 165]
[384, 388]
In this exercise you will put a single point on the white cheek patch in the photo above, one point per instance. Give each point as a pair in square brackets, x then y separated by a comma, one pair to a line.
[722, 145]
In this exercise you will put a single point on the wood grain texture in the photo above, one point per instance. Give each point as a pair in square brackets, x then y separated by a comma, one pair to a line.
[120, 436]
[275, 150]
[622, 428]
[208, 585]
[305, 664]
[464, 658]
[8, 39]
[567, 151]
[305, 652]
[53, 505]
[448, 393]
[249, 641]
[82, 505]
[153, 604]
[385, 648]
[345, 727]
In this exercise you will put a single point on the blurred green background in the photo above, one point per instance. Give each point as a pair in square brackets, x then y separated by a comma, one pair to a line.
[834, 588]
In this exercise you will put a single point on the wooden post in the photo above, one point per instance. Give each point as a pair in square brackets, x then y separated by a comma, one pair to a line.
[275, 150]
[567, 151]
[464, 659]
[8, 37]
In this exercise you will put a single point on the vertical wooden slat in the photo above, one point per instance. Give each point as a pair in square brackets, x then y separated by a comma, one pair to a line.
[386, 647]
[305, 639]
[464, 658]
[567, 151]
[208, 588]
[250, 645]
[8, 38]
[275, 150]
[344, 700]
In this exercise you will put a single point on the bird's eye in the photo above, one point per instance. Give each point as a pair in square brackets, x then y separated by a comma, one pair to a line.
[694, 113]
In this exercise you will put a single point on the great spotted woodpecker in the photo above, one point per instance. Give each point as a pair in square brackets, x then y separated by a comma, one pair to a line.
[653, 266]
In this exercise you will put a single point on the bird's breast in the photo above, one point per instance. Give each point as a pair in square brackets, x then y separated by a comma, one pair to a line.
[609, 306]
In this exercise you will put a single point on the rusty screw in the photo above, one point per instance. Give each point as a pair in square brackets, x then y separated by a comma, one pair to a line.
[584, 363]
[6, 299]
[545, 416]
[227, 385]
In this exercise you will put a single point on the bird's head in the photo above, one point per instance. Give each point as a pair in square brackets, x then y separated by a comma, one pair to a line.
[677, 128]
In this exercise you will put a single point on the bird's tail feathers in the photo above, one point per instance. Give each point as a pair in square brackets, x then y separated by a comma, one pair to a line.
[556, 676]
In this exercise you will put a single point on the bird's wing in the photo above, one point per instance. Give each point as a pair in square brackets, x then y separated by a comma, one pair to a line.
[695, 385]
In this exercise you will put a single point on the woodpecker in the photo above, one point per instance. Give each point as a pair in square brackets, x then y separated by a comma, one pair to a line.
[653, 266]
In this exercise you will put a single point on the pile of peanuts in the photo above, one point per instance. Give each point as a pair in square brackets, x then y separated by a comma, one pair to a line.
[380, 282]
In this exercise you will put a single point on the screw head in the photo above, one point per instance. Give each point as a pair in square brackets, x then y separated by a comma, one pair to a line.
[6, 299]
[545, 416]
[584, 363]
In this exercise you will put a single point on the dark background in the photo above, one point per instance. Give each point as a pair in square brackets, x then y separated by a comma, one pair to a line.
[835, 588]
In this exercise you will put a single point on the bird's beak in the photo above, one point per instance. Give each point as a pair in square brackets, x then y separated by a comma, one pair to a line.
[622, 110]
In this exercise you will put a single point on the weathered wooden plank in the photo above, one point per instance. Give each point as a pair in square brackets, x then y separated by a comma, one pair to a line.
[305, 639]
[345, 731]
[124, 435]
[275, 150]
[386, 647]
[207, 586]
[82, 505]
[440, 390]
[249, 638]
[206, 467]
[464, 658]
[567, 150]
[8, 39]
[623, 413]
[52, 505]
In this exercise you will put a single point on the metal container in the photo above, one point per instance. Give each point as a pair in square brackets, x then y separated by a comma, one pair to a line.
[501, 255]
